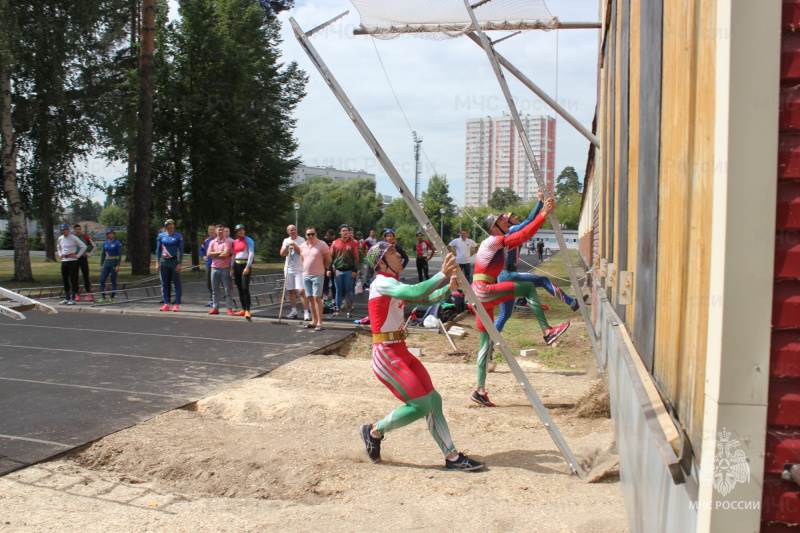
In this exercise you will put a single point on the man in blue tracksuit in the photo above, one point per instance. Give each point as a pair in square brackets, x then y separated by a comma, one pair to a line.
[169, 254]
[110, 260]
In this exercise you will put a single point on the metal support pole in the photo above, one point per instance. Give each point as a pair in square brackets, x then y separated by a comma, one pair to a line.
[487, 47]
[390, 169]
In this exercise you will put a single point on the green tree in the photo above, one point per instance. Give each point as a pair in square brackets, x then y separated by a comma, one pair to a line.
[568, 210]
[113, 215]
[325, 203]
[568, 182]
[224, 147]
[437, 198]
[503, 198]
[43, 64]
[85, 209]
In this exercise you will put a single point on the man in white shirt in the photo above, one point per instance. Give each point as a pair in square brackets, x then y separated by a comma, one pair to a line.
[69, 248]
[293, 271]
[464, 248]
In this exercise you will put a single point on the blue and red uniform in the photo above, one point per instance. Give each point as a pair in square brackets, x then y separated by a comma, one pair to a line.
[169, 252]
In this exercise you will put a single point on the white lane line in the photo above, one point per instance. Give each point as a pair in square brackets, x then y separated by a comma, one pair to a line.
[190, 337]
[39, 441]
[92, 388]
[186, 361]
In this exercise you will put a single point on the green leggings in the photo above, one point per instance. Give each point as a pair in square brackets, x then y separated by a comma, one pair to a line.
[428, 406]
[503, 289]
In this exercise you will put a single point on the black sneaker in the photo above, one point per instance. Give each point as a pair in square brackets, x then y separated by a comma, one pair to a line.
[372, 445]
[464, 463]
[481, 399]
[576, 306]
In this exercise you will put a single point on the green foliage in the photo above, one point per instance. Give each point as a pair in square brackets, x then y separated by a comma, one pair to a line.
[113, 215]
[503, 198]
[326, 203]
[568, 210]
[568, 183]
[224, 148]
[36, 242]
[7, 241]
[85, 209]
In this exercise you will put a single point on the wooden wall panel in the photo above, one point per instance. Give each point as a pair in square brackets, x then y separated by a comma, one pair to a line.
[674, 189]
[685, 189]
[633, 152]
[648, 177]
[698, 257]
[623, 80]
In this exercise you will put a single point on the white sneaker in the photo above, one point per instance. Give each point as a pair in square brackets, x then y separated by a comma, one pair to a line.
[293, 314]
[306, 316]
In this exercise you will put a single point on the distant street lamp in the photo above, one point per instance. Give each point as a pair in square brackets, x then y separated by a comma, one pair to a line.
[441, 223]
[296, 211]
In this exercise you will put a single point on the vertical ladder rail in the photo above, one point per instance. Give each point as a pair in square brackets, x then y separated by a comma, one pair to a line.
[537, 173]
[430, 229]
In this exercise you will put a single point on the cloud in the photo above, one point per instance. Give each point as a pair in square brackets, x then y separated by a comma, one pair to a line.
[439, 85]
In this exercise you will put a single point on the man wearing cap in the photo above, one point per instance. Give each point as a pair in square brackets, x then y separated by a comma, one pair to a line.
[83, 261]
[169, 255]
[110, 260]
[489, 263]
[389, 236]
[424, 251]
[220, 250]
[244, 251]
[346, 255]
[293, 272]
[395, 366]
[69, 248]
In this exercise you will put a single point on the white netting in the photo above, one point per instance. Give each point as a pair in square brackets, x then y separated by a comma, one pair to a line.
[440, 19]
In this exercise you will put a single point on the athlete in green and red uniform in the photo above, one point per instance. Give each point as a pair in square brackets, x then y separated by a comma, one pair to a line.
[394, 365]
[489, 263]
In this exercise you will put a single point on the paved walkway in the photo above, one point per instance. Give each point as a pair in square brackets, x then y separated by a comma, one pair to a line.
[91, 370]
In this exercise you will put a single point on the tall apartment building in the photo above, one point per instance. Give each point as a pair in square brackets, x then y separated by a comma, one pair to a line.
[496, 157]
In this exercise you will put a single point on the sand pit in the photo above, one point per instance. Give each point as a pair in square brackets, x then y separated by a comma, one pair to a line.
[282, 451]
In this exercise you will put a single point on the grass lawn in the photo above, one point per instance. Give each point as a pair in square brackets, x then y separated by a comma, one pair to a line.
[522, 330]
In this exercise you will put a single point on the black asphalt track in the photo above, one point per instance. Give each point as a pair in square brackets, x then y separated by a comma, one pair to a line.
[72, 378]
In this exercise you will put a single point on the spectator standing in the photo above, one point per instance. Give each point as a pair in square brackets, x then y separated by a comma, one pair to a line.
[346, 255]
[83, 262]
[69, 248]
[464, 248]
[389, 236]
[293, 272]
[110, 261]
[169, 255]
[369, 242]
[540, 249]
[316, 260]
[220, 251]
[244, 252]
[424, 252]
[212, 234]
[328, 285]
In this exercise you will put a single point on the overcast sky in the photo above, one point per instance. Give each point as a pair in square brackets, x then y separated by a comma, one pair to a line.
[439, 84]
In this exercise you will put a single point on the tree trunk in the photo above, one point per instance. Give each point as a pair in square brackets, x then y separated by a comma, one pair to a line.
[49, 237]
[131, 118]
[138, 232]
[19, 231]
